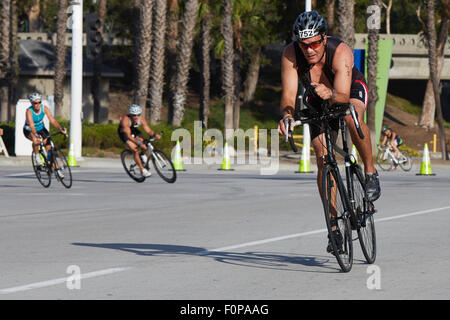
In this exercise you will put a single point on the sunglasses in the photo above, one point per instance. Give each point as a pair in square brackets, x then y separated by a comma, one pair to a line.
[36, 102]
[313, 45]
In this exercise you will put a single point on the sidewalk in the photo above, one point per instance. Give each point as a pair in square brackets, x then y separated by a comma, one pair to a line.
[287, 162]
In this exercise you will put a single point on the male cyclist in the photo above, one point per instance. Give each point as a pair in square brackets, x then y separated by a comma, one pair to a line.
[326, 64]
[34, 128]
[129, 133]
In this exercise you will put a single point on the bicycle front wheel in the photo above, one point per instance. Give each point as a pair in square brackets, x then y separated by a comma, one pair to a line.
[43, 173]
[62, 170]
[130, 166]
[164, 166]
[337, 218]
[384, 161]
[364, 215]
[405, 161]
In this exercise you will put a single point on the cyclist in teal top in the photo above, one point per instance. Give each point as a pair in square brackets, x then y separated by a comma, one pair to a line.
[34, 128]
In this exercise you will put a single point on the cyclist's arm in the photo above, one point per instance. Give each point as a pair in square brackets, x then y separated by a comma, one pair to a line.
[289, 80]
[52, 120]
[342, 67]
[146, 127]
[30, 121]
[384, 140]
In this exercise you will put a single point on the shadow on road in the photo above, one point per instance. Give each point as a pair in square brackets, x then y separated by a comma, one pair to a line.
[266, 260]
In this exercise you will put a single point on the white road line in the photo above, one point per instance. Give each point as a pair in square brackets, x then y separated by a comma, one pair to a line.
[297, 235]
[53, 282]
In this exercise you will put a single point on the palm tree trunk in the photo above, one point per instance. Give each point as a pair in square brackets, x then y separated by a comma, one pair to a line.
[5, 59]
[14, 59]
[205, 66]
[157, 75]
[372, 61]
[330, 16]
[143, 51]
[97, 74]
[183, 60]
[227, 67]
[60, 69]
[346, 21]
[428, 107]
[432, 56]
[171, 44]
[251, 80]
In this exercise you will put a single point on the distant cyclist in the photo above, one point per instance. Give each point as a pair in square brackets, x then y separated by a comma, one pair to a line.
[391, 138]
[129, 133]
[34, 128]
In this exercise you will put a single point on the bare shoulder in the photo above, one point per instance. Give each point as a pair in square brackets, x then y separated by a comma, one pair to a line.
[289, 53]
[343, 52]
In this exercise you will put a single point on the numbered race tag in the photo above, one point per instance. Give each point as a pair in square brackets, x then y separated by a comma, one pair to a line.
[308, 33]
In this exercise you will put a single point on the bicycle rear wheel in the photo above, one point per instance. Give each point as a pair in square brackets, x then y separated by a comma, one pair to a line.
[334, 203]
[164, 166]
[364, 214]
[384, 161]
[406, 162]
[43, 173]
[130, 166]
[62, 170]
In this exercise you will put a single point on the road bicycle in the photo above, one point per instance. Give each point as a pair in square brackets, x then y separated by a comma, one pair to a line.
[387, 160]
[346, 206]
[53, 162]
[161, 162]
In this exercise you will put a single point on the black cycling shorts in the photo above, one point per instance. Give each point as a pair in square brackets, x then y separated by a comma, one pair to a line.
[358, 91]
[134, 132]
[43, 133]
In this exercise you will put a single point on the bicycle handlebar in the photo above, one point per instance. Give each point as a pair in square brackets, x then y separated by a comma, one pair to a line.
[338, 110]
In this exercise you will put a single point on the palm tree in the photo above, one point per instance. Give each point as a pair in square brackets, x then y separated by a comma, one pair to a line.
[157, 74]
[95, 87]
[14, 58]
[183, 60]
[428, 107]
[372, 61]
[346, 21]
[432, 58]
[5, 59]
[329, 4]
[142, 51]
[205, 39]
[171, 45]
[227, 66]
[60, 70]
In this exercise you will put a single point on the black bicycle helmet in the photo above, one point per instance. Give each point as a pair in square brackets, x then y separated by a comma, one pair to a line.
[309, 24]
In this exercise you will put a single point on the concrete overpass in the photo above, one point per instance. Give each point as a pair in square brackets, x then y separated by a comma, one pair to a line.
[409, 53]
[410, 56]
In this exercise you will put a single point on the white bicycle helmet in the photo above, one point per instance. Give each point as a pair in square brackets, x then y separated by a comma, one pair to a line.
[134, 109]
[35, 96]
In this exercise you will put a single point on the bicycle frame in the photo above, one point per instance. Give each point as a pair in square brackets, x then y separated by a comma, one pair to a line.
[388, 153]
[331, 161]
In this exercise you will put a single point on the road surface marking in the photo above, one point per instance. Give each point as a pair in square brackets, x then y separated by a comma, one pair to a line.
[297, 235]
[53, 282]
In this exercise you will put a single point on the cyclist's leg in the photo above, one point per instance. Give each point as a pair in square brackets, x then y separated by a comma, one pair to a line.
[134, 148]
[319, 145]
[359, 97]
[34, 139]
[363, 146]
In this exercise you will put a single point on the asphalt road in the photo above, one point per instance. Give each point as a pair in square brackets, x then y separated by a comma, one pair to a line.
[213, 235]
